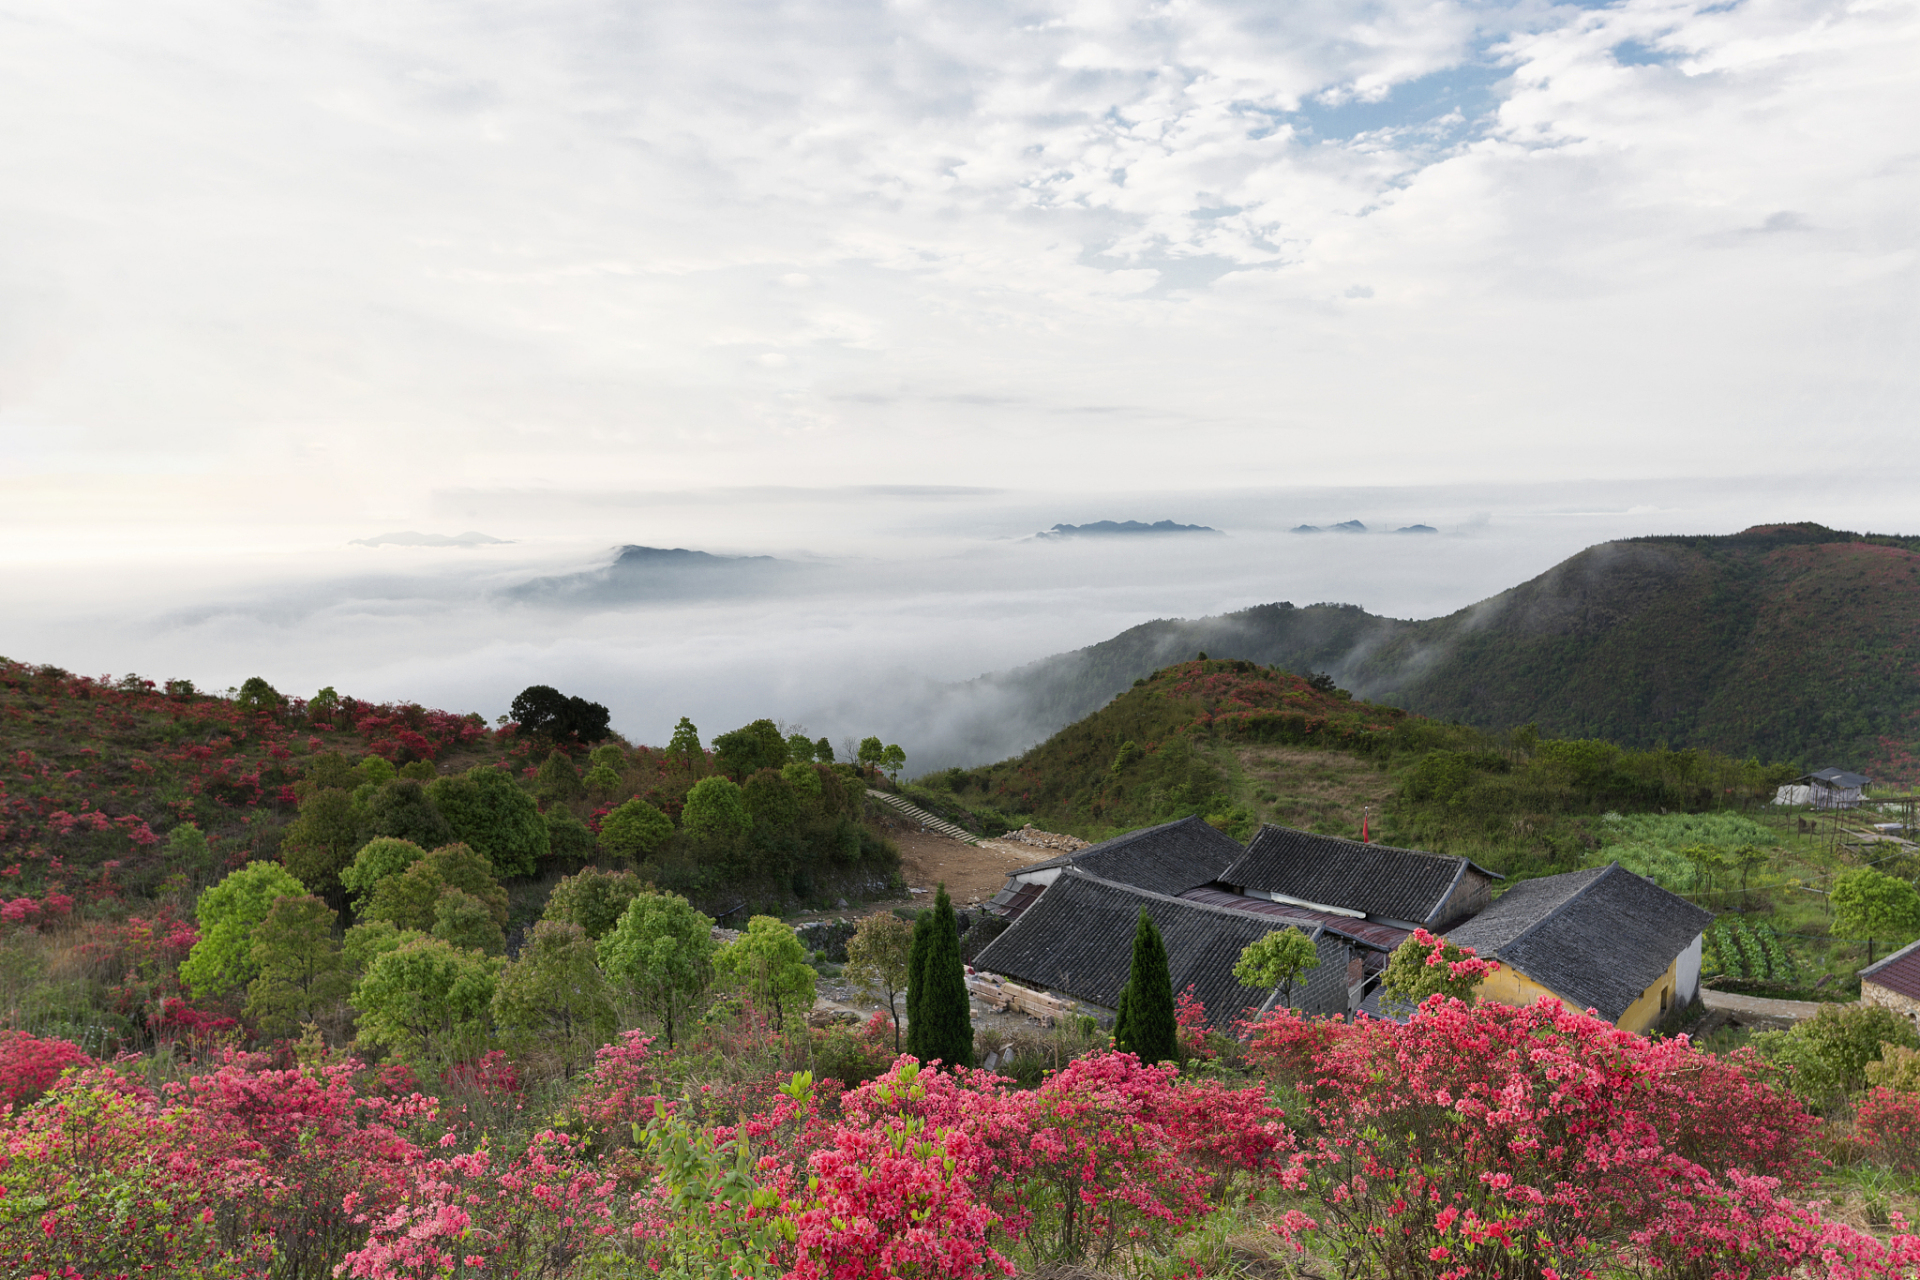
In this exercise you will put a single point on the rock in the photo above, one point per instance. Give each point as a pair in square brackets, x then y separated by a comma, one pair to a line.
[841, 904]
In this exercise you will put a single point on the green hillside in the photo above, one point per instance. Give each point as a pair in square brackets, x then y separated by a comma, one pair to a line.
[1787, 642]
[1240, 743]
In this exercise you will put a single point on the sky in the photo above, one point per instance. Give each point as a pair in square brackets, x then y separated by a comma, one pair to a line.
[881, 290]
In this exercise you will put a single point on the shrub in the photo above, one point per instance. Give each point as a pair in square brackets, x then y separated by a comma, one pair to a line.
[376, 861]
[594, 899]
[29, 1065]
[661, 954]
[223, 957]
[1826, 1055]
[491, 814]
[715, 810]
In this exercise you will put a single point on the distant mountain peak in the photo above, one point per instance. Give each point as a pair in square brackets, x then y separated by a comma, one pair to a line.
[1108, 528]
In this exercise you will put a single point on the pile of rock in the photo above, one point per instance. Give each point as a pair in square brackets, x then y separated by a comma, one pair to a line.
[1032, 835]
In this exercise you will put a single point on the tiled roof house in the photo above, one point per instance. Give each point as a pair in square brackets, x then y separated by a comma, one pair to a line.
[1076, 938]
[1169, 859]
[1894, 983]
[1603, 939]
[1401, 888]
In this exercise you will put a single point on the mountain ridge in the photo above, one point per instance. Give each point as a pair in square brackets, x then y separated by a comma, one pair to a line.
[1789, 641]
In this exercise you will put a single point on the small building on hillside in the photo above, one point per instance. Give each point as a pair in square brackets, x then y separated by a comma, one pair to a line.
[1603, 939]
[1404, 889]
[1827, 789]
[1894, 983]
[1075, 938]
[1169, 858]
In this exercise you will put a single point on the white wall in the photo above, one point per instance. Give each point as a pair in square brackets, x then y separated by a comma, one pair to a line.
[1686, 976]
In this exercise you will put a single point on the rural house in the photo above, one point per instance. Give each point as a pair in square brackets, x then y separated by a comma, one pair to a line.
[1403, 889]
[1076, 938]
[1603, 939]
[1169, 858]
[1894, 983]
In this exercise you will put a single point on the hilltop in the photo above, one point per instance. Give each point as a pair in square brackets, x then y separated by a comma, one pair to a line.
[1788, 642]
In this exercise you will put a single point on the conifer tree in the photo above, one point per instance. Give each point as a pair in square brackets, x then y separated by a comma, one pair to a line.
[1146, 1027]
[940, 1023]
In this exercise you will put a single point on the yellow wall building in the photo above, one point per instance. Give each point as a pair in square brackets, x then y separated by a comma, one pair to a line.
[1601, 939]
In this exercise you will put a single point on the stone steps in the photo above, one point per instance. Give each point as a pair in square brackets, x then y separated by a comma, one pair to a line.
[925, 819]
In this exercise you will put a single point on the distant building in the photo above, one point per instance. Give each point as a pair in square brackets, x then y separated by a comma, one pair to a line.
[1827, 789]
[1169, 858]
[1603, 939]
[1894, 983]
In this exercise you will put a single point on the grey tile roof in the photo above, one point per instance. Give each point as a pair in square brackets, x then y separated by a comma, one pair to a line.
[1898, 973]
[1378, 879]
[1596, 938]
[1839, 778]
[1078, 939]
[1169, 858]
[1382, 937]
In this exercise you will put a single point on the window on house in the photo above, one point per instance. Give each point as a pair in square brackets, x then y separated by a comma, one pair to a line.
[1666, 994]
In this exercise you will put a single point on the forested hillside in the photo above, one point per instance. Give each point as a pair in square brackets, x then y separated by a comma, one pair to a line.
[1787, 642]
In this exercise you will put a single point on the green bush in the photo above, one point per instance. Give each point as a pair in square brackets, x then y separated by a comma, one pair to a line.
[490, 813]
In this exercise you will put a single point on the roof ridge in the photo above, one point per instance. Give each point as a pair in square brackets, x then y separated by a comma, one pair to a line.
[1079, 874]
[1584, 889]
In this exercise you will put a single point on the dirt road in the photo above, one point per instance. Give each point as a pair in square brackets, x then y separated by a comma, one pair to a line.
[972, 873]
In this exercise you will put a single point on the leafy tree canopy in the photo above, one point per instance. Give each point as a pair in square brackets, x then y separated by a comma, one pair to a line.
[377, 860]
[567, 836]
[1277, 960]
[302, 975]
[594, 900]
[715, 809]
[1870, 904]
[411, 899]
[427, 1001]
[465, 921]
[558, 778]
[321, 841]
[1829, 1053]
[877, 957]
[799, 748]
[553, 996]
[661, 955]
[768, 963]
[489, 812]
[542, 710]
[1424, 965]
[685, 746]
[223, 957]
[400, 808]
[746, 751]
[635, 829]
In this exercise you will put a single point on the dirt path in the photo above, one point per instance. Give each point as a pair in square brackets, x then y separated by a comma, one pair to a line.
[1791, 1010]
[972, 873]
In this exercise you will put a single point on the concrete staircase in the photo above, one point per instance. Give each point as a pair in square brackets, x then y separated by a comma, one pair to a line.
[924, 818]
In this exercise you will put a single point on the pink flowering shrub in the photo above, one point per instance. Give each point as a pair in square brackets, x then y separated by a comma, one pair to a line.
[29, 1066]
[1886, 1126]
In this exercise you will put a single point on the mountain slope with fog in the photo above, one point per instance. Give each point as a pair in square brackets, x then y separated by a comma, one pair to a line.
[1789, 642]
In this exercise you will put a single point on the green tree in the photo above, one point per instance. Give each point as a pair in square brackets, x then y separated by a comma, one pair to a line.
[877, 957]
[371, 939]
[1277, 960]
[400, 809]
[465, 921]
[871, 752]
[768, 963]
[1146, 1026]
[257, 695]
[427, 1001]
[554, 997]
[636, 829]
[322, 705]
[1869, 904]
[376, 769]
[228, 912]
[661, 954]
[746, 751]
[377, 860]
[807, 787]
[568, 838]
[489, 812]
[601, 781]
[939, 1019]
[557, 779]
[799, 748]
[541, 710]
[715, 810]
[893, 760]
[302, 974]
[823, 751]
[771, 803]
[1412, 974]
[1828, 1054]
[411, 899]
[594, 900]
[320, 842]
[611, 756]
[685, 746]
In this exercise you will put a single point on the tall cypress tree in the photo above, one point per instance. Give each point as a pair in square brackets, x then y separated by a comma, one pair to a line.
[1146, 1027]
[940, 1022]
